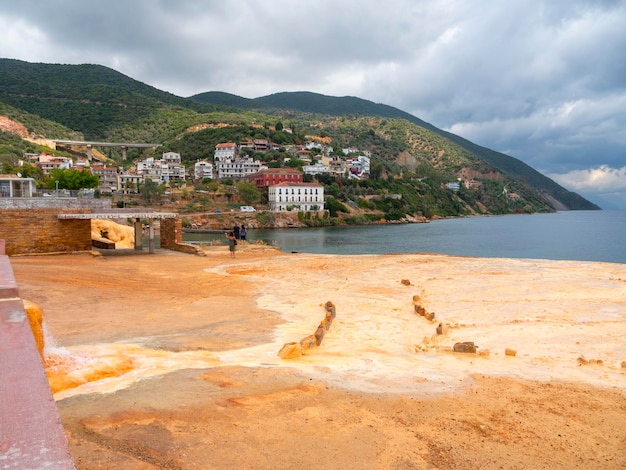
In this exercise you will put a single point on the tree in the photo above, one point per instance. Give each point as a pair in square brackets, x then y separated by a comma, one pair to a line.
[72, 179]
[214, 186]
[376, 169]
[248, 192]
[148, 189]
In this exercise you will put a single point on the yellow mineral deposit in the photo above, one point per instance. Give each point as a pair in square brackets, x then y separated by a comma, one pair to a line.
[292, 350]
[66, 371]
[122, 235]
[35, 317]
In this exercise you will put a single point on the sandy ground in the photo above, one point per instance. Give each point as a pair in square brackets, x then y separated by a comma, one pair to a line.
[170, 360]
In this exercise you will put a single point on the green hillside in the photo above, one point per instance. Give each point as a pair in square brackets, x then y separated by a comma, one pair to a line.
[409, 157]
[314, 103]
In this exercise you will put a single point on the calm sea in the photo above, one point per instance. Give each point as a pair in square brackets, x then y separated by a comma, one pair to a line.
[574, 235]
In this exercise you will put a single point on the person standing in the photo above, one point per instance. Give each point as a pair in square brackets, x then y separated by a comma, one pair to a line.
[244, 233]
[232, 243]
[236, 231]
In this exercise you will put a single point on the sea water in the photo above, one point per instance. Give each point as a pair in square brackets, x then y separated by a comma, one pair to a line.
[572, 235]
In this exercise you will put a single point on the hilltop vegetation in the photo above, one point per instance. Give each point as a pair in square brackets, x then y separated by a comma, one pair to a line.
[411, 160]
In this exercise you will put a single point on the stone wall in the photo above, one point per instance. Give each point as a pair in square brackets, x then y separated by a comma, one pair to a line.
[53, 202]
[28, 231]
[171, 233]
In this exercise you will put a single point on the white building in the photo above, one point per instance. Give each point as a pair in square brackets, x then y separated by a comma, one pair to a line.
[296, 197]
[14, 186]
[150, 169]
[237, 169]
[168, 168]
[47, 163]
[226, 152]
[228, 164]
[172, 168]
[129, 183]
[107, 175]
[202, 169]
[316, 169]
[359, 166]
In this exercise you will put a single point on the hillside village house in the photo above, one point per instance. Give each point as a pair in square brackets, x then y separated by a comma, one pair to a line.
[107, 175]
[316, 169]
[273, 176]
[296, 197]
[228, 163]
[14, 186]
[359, 166]
[150, 169]
[202, 169]
[172, 167]
[47, 163]
[129, 183]
[168, 168]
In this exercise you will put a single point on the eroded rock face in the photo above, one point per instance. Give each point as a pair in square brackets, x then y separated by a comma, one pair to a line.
[122, 235]
[8, 125]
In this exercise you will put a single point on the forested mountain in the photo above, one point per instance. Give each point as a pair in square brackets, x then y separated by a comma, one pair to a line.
[409, 156]
[314, 103]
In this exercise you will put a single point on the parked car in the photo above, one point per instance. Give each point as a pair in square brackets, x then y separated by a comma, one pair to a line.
[247, 209]
[217, 211]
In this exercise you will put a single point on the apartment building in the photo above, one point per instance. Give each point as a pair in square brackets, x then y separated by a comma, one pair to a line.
[296, 197]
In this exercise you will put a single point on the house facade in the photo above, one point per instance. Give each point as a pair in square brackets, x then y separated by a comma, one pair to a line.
[228, 164]
[107, 176]
[274, 176]
[129, 183]
[296, 197]
[202, 169]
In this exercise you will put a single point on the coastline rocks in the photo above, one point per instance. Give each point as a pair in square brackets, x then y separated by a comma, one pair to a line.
[296, 349]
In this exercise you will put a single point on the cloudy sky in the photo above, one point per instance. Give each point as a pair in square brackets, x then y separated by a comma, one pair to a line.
[543, 81]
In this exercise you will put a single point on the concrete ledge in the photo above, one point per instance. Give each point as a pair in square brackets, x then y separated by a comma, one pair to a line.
[8, 287]
[31, 434]
[103, 243]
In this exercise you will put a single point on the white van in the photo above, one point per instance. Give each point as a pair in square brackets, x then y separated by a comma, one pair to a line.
[247, 209]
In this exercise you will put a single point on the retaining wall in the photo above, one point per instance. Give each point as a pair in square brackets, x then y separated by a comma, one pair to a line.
[29, 231]
[171, 233]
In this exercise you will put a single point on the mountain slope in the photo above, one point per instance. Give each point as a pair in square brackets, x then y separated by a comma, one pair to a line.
[102, 104]
[91, 99]
[308, 102]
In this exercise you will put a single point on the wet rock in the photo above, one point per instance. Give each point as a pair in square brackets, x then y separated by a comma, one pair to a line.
[308, 343]
[290, 350]
[319, 334]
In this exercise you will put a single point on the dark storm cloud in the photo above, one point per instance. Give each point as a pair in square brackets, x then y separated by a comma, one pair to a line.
[542, 81]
